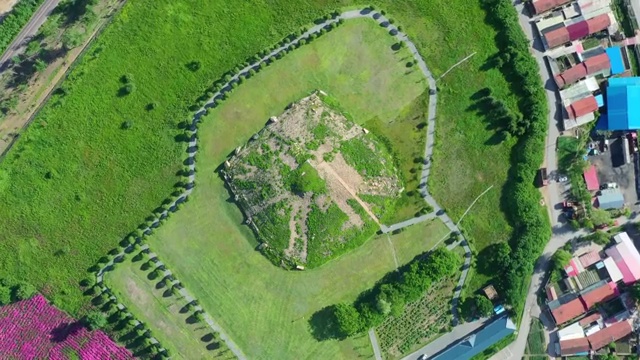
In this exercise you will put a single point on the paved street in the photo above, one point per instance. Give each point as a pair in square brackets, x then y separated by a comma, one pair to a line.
[30, 29]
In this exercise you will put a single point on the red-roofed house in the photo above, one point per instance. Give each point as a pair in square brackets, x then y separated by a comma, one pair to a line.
[589, 258]
[597, 63]
[609, 334]
[600, 294]
[568, 311]
[590, 319]
[582, 107]
[578, 30]
[591, 178]
[571, 75]
[557, 37]
[626, 257]
[598, 23]
[541, 6]
[574, 346]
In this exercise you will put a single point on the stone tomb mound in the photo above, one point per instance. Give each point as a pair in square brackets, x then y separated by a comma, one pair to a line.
[299, 181]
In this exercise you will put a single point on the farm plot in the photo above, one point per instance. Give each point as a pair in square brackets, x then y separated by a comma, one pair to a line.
[299, 182]
[536, 344]
[420, 323]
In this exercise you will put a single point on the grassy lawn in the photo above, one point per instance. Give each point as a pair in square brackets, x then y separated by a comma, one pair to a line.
[250, 297]
[159, 310]
[420, 323]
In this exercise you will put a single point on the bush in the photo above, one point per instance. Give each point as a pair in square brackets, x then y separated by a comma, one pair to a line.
[94, 320]
[5, 295]
[23, 291]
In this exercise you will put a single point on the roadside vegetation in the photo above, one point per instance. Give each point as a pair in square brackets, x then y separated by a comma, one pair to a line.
[521, 200]
[15, 20]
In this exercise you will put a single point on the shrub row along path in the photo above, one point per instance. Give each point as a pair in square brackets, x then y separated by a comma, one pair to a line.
[218, 96]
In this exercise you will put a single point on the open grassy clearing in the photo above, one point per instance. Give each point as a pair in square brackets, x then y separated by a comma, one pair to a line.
[468, 157]
[160, 311]
[250, 297]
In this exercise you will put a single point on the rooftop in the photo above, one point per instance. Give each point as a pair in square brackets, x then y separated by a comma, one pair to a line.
[589, 258]
[582, 107]
[568, 311]
[478, 341]
[591, 178]
[598, 293]
[611, 199]
[609, 334]
[541, 6]
[626, 257]
[623, 109]
[574, 346]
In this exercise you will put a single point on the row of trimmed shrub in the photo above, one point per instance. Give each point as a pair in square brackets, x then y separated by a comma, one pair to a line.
[389, 296]
[521, 199]
[13, 22]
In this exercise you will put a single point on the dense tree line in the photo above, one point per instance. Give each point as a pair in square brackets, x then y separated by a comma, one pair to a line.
[521, 198]
[15, 21]
[391, 294]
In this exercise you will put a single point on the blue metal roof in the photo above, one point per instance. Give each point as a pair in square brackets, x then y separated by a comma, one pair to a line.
[623, 107]
[600, 100]
[615, 58]
[479, 341]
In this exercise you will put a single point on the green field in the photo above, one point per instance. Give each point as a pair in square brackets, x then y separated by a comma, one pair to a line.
[159, 310]
[536, 344]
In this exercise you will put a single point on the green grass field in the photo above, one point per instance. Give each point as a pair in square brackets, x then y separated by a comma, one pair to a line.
[160, 311]
[536, 344]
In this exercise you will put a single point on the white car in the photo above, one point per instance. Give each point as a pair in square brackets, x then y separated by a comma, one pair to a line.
[562, 178]
[423, 357]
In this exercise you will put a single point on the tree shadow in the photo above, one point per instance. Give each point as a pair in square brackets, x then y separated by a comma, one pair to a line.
[213, 346]
[61, 332]
[324, 324]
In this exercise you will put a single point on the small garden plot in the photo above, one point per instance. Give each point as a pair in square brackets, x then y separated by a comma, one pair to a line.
[536, 344]
[302, 180]
[420, 323]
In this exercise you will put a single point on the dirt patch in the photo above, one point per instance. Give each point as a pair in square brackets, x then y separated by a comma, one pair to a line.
[293, 166]
[6, 6]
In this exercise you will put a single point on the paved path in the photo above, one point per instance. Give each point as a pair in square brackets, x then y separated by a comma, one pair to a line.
[415, 220]
[30, 29]
[374, 343]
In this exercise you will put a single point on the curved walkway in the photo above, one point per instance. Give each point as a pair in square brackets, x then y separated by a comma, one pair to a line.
[227, 87]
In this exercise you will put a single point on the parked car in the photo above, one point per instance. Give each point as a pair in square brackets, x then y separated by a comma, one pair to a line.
[610, 185]
[423, 357]
[563, 178]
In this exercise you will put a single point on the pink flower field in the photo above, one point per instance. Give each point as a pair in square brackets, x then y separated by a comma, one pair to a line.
[33, 329]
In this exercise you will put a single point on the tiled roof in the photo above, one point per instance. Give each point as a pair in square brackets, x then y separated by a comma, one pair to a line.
[557, 37]
[590, 319]
[597, 63]
[591, 178]
[600, 294]
[582, 107]
[590, 258]
[609, 334]
[574, 346]
[541, 6]
[568, 311]
[598, 23]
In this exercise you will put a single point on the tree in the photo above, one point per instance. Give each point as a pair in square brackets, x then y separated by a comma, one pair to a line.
[600, 217]
[5, 295]
[24, 291]
[71, 39]
[348, 319]
[383, 306]
[484, 307]
[635, 292]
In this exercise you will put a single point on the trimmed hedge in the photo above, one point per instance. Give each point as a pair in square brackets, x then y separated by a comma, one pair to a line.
[521, 199]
